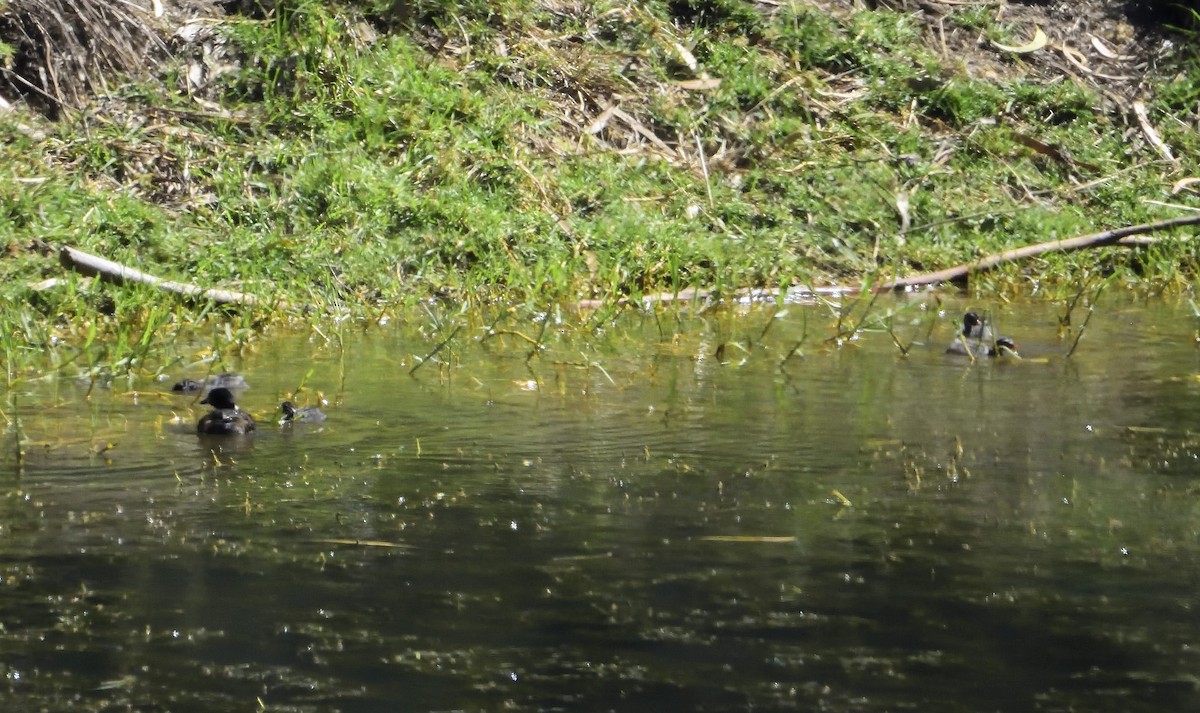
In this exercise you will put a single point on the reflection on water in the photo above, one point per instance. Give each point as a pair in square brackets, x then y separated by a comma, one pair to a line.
[622, 523]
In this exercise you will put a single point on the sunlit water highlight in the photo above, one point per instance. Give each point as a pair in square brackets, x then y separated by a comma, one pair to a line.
[621, 523]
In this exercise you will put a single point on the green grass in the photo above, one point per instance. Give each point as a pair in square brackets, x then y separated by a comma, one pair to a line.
[457, 155]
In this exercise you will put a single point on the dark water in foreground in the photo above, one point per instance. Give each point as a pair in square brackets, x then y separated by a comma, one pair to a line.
[629, 526]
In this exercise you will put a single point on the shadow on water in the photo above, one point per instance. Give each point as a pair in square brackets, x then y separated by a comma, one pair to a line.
[623, 525]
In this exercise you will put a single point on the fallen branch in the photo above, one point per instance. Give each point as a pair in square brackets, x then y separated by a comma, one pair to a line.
[1128, 236]
[960, 273]
[120, 274]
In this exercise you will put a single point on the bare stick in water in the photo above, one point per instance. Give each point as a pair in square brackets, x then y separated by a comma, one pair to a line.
[434, 351]
[1088, 318]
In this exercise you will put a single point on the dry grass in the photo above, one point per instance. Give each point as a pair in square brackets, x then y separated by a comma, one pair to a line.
[65, 51]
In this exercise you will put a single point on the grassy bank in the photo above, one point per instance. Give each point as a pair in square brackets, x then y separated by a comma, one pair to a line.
[355, 159]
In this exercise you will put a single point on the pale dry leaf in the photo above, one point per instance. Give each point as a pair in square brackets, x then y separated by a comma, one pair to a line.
[698, 84]
[1106, 52]
[1184, 184]
[1038, 42]
[902, 204]
[641, 129]
[686, 57]
[1139, 110]
[600, 122]
[1075, 57]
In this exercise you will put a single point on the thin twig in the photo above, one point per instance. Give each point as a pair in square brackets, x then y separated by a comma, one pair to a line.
[537, 344]
[771, 321]
[434, 351]
[796, 347]
[1088, 318]
[904, 349]
[509, 332]
[966, 347]
[857, 325]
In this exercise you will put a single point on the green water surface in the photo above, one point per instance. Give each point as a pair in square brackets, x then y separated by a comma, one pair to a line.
[622, 522]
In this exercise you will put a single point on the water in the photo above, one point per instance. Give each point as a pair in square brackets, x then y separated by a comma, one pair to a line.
[621, 523]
